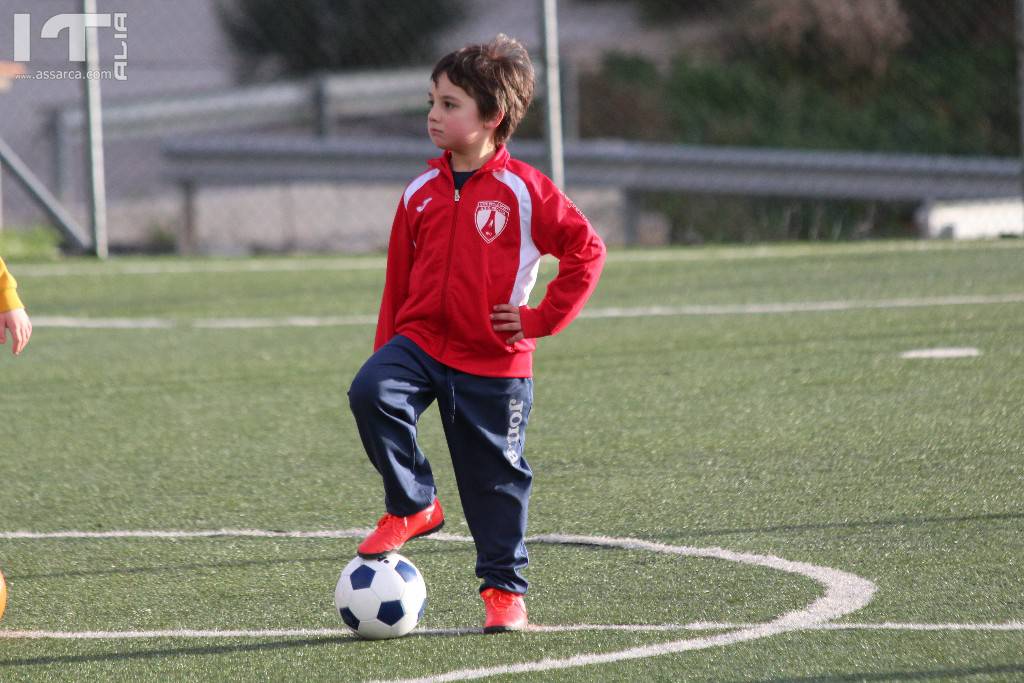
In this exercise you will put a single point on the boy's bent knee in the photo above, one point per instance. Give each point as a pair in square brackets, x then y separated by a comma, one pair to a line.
[365, 391]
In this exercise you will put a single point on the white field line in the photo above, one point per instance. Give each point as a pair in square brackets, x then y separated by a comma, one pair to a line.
[338, 632]
[203, 634]
[593, 313]
[73, 322]
[801, 306]
[744, 253]
[174, 267]
[896, 626]
[292, 321]
[202, 533]
[942, 353]
[190, 267]
[844, 593]
[82, 323]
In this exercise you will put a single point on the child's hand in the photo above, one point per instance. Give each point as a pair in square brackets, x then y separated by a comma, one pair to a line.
[509, 313]
[20, 326]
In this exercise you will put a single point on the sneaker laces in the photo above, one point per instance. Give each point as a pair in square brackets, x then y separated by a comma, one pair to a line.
[390, 521]
[503, 598]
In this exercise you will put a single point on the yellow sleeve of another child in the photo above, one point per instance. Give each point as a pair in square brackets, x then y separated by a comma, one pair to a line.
[8, 290]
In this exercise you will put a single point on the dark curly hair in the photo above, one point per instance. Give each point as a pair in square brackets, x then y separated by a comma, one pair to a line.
[498, 76]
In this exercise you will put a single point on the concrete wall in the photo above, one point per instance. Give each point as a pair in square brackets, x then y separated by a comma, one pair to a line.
[308, 217]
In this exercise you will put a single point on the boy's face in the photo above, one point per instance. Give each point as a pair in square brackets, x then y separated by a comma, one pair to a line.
[454, 122]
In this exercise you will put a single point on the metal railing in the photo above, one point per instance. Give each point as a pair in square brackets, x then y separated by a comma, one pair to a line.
[72, 231]
[316, 102]
[631, 166]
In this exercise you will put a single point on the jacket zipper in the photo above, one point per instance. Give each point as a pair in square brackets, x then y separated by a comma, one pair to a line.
[447, 271]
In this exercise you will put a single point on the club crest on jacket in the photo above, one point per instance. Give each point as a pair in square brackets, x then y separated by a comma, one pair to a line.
[491, 217]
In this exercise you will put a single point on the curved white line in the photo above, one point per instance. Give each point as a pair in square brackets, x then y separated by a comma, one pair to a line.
[844, 593]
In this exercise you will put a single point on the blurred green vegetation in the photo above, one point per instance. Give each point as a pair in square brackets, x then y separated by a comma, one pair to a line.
[940, 80]
[36, 243]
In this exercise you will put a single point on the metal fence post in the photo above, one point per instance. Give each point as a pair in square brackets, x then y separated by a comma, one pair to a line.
[323, 125]
[571, 101]
[553, 108]
[630, 216]
[62, 177]
[1020, 86]
[94, 138]
[187, 241]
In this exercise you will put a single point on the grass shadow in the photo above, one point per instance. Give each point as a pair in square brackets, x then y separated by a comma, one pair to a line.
[266, 646]
[176, 651]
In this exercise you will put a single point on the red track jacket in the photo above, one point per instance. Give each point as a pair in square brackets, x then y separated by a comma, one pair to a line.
[454, 255]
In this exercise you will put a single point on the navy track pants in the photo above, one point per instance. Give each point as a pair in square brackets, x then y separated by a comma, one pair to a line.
[484, 421]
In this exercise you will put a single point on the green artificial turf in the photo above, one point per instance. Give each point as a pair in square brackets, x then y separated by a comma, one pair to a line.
[800, 435]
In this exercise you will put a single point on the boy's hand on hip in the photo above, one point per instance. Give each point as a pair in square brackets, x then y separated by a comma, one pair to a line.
[505, 318]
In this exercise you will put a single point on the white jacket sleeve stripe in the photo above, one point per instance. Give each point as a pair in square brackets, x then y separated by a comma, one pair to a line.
[418, 183]
[529, 255]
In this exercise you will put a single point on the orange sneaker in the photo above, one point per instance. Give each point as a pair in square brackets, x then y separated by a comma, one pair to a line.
[393, 531]
[505, 611]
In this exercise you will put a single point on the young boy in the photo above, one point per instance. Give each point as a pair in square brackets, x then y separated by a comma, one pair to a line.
[12, 313]
[455, 326]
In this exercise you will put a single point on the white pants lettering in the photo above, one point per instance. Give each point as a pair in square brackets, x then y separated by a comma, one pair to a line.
[512, 438]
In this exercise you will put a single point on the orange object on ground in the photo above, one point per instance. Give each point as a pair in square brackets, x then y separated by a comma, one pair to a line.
[3, 595]
[505, 611]
[393, 531]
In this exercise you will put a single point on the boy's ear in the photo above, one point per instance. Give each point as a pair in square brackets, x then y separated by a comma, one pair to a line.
[495, 120]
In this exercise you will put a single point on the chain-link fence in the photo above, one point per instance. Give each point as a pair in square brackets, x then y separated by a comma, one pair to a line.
[891, 77]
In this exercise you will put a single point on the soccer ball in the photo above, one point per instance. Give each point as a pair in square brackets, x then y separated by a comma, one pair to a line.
[382, 598]
[3, 595]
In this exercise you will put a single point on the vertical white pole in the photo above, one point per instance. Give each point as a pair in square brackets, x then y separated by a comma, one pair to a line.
[94, 138]
[552, 87]
[1020, 86]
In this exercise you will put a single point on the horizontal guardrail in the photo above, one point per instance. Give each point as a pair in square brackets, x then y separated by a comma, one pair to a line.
[316, 101]
[291, 102]
[628, 165]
